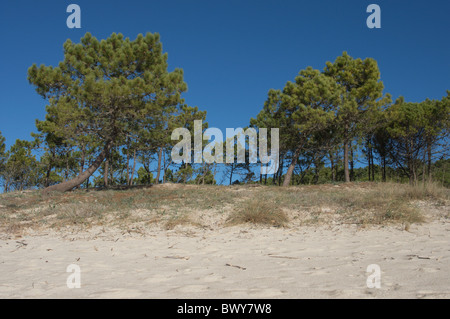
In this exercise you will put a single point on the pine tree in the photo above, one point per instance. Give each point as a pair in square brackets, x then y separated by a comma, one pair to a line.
[105, 90]
[361, 89]
[407, 131]
[437, 125]
[21, 167]
[270, 117]
[307, 106]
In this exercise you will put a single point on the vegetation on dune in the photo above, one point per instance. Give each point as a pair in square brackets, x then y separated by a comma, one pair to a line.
[211, 206]
[256, 211]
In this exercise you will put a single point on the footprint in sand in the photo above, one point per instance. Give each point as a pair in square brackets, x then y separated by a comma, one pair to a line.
[427, 294]
[265, 293]
[428, 270]
[212, 278]
[117, 293]
[316, 271]
[191, 289]
[157, 279]
[333, 293]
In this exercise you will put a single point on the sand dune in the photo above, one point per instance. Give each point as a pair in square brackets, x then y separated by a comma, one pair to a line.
[230, 262]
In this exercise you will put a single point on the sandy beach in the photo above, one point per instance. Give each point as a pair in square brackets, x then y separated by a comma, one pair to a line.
[225, 150]
[230, 262]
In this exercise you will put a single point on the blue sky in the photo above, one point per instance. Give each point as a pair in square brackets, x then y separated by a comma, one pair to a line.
[232, 52]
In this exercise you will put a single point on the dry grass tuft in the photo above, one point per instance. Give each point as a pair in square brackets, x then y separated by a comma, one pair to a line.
[179, 220]
[258, 212]
[427, 191]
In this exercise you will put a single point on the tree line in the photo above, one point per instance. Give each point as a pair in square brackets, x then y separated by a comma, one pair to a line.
[112, 105]
[340, 113]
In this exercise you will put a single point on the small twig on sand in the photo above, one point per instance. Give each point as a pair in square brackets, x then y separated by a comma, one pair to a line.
[20, 244]
[239, 267]
[423, 257]
[419, 257]
[286, 257]
[177, 257]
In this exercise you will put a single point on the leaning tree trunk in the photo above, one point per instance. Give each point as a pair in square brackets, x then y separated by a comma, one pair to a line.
[70, 184]
[106, 172]
[290, 171]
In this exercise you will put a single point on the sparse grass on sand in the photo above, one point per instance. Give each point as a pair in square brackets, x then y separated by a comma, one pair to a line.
[256, 211]
[170, 205]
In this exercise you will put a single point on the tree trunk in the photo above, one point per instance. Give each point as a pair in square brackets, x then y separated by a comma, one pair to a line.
[346, 171]
[352, 172]
[411, 166]
[133, 170]
[429, 161]
[205, 170]
[214, 173]
[164, 168]
[333, 174]
[275, 177]
[316, 174]
[231, 173]
[159, 165]
[336, 166]
[128, 167]
[260, 175]
[147, 169]
[87, 179]
[411, 171]
[83, 155]
[69, 185]
[423, 169]
[105, 173]
[287, 178]
[368, 159]
[111, 171]
[373, 164]
[47, 177]
[280, 171]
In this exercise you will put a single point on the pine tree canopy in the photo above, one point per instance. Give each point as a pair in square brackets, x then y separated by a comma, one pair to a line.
[106, 90]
